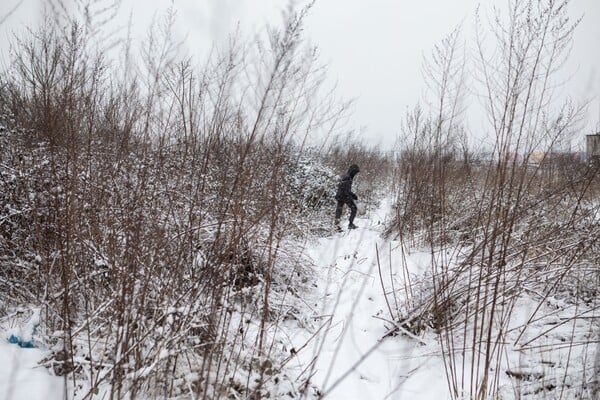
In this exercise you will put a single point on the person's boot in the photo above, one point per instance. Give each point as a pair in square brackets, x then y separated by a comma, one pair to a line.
[352, 226]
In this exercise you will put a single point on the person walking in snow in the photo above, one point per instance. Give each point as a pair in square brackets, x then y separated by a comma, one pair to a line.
[345, 196]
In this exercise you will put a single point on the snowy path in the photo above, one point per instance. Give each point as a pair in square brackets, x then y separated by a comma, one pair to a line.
[354, 358]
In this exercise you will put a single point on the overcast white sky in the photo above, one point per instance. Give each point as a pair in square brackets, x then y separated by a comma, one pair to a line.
[374, 49]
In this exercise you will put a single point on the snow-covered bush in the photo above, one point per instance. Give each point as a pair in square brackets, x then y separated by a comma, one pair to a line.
[507, 239]
[161, 246]
[310, 190]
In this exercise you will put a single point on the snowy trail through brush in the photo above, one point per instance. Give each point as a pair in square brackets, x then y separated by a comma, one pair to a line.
[348, 352]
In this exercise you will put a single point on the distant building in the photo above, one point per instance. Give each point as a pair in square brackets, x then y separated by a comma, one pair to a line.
[592, 147]
[536, 157]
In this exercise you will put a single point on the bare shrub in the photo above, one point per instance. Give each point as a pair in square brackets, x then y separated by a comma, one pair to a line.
[502, 233]
[151, 216]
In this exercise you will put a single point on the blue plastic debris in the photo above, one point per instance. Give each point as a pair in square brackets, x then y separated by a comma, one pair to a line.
[24, 336]
[28, 344]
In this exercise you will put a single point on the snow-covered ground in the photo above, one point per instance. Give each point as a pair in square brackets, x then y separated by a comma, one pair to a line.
[347, 352]
[347, 349]
[21, 376]
[340, 341]
[345, 337]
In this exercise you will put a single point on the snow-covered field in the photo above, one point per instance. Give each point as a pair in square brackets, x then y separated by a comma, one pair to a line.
[346, 345]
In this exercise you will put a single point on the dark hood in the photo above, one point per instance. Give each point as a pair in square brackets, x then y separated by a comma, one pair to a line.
[353, 170]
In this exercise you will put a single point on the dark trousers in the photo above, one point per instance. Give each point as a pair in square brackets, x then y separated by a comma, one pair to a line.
[339, 208]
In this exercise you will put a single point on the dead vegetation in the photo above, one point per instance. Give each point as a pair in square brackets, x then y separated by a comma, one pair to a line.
[504, 235]
[154, 217]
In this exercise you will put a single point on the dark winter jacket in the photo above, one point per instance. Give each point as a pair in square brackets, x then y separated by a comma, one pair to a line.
[344, 191]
